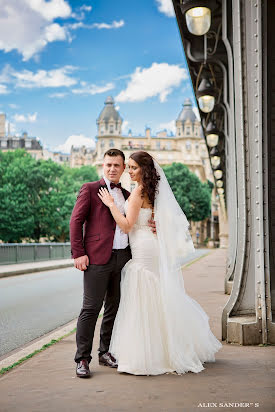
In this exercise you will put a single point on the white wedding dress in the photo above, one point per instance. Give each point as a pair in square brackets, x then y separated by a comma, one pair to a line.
[145, 341]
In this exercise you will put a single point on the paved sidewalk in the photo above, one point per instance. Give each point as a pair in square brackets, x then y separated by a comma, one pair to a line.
[30, 267]
[47, 382]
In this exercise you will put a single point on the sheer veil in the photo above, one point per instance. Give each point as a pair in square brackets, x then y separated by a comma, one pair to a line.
[186, 322]
[174, 239]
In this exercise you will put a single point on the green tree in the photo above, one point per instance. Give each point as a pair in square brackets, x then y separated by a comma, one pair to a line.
[16, 212]
[59, 202]
[83, 174]
[193, 196]
[37, 197]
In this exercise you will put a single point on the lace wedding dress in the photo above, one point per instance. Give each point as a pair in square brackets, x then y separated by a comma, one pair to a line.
[152, 336]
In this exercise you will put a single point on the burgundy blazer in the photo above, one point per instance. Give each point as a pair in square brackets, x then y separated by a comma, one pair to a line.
[92, 226]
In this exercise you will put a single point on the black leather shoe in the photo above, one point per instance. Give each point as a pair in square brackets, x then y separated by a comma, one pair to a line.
[82, 369]
[107, 359]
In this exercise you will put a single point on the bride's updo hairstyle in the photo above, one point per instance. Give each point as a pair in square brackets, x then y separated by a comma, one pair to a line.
[149, 175]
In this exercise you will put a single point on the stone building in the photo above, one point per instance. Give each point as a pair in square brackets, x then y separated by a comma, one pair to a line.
[31, 144]
[187, 146]
[12, 142]
[57, 157]
[81, 156]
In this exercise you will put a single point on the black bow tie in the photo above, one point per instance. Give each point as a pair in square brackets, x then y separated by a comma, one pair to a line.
[113, 185]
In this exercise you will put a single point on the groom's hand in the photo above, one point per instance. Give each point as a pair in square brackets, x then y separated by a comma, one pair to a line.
[81, 262]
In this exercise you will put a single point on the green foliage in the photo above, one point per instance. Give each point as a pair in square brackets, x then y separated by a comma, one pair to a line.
[37, 197]
[193, 196]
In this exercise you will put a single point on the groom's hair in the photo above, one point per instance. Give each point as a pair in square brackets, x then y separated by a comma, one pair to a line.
[115, 152]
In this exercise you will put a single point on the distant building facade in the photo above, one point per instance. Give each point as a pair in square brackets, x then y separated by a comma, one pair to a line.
[81, 156]
[57, 157]
[31, 144]
[187, 146]
[11, 142]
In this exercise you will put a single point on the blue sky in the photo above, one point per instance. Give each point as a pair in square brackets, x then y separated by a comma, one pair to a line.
[60, 59]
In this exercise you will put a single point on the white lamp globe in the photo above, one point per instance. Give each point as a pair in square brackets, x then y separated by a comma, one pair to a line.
[198, 20]
[212, 139]
[206, 103]
[218, 174]
[215, 161]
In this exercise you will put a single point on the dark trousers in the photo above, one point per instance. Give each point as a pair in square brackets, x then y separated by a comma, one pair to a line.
[101, 283]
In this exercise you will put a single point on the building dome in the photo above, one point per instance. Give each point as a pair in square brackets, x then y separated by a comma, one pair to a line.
[109, 112]
[187, 112]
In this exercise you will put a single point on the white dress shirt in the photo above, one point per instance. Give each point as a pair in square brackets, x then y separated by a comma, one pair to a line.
[120, 239]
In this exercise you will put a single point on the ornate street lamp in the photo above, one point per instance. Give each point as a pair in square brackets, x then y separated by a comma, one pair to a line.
[218, 174]
[197, 16]
[215, 157]
[206, 95]
[212, 136]
[215, 161]
[198, 20]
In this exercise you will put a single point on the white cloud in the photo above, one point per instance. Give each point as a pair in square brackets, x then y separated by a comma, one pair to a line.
[60, 77]
[55, 32]
[166, 7]
[78, 25]
[21, 118]
[42, 78]
[13, 106]
[93, 89]
[76, 141]
[5, 74]
[58, 95]
[80, 13]
[28, 25]
[86, 8]
[158, 80]
[3, 89]
[169, 126]
[113, 25]
[50, 10]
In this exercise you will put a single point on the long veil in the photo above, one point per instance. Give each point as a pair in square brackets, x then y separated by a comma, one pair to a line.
[190, 340]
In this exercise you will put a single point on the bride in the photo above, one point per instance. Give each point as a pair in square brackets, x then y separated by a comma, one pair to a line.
[158, 327]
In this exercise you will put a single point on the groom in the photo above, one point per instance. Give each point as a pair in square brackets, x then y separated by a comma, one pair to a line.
[100, 249]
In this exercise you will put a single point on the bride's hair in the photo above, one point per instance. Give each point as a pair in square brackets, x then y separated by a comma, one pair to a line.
[149, 175]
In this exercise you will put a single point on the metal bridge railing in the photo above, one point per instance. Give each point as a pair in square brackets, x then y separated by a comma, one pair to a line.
[33, 252]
